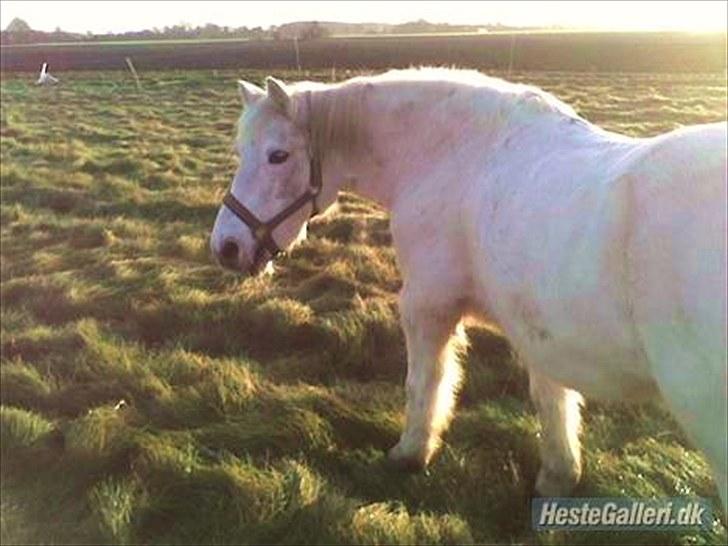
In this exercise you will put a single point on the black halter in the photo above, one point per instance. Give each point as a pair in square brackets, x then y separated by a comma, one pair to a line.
[263, 231]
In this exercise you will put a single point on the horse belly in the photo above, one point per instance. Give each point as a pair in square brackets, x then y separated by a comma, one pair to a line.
[586, 344]
[594, 365]
[555, 283]
[584, 341]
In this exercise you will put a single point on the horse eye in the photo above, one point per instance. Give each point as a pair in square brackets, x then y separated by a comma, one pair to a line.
[277, 156]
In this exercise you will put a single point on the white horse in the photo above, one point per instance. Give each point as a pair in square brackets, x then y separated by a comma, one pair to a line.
[601, 257]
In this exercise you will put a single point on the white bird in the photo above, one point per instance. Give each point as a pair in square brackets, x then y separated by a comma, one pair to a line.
[45, 78]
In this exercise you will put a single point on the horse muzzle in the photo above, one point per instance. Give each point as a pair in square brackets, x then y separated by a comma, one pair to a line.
[230, 255]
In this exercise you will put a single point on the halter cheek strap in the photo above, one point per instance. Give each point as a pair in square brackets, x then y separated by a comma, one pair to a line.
[263, 231]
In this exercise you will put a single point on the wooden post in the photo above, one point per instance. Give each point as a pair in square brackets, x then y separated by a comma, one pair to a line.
[510, 56]
[134, 73]
[298, 55]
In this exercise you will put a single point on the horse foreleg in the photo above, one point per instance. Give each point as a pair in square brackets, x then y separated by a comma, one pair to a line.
[560, 415]
[433, 339]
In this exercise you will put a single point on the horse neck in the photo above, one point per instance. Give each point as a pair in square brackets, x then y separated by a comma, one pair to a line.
[409, 129]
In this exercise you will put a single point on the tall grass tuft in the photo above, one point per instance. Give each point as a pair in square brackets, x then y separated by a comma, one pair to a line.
[21, 428]
[114, 502]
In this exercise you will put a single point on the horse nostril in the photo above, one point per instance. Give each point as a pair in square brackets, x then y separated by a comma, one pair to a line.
[229, 252]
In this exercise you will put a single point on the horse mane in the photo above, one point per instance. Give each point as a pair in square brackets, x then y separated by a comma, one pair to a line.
[337, 122]
[510, 96]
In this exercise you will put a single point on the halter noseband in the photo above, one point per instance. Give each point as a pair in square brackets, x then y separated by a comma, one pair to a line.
[263, 231]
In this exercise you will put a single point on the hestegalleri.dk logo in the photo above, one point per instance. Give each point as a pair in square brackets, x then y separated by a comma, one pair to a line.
[624, 514]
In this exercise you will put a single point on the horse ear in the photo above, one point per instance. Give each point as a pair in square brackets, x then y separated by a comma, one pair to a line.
[278, 94]
[249, 92]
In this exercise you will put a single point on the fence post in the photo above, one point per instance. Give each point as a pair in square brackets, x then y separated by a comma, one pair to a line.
[298, 55]
[134, 73]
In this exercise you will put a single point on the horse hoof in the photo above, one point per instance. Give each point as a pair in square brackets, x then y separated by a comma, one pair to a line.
[406, 463]
[553, 484]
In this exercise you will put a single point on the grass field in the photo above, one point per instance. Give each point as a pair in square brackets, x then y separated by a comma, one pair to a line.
[148, 396]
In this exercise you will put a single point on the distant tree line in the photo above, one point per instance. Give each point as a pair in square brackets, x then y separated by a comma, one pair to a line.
[19, 32]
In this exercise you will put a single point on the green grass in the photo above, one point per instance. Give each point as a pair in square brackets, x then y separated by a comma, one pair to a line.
[150, 397]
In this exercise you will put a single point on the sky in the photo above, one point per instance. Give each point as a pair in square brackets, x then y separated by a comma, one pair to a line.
[118, 16]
